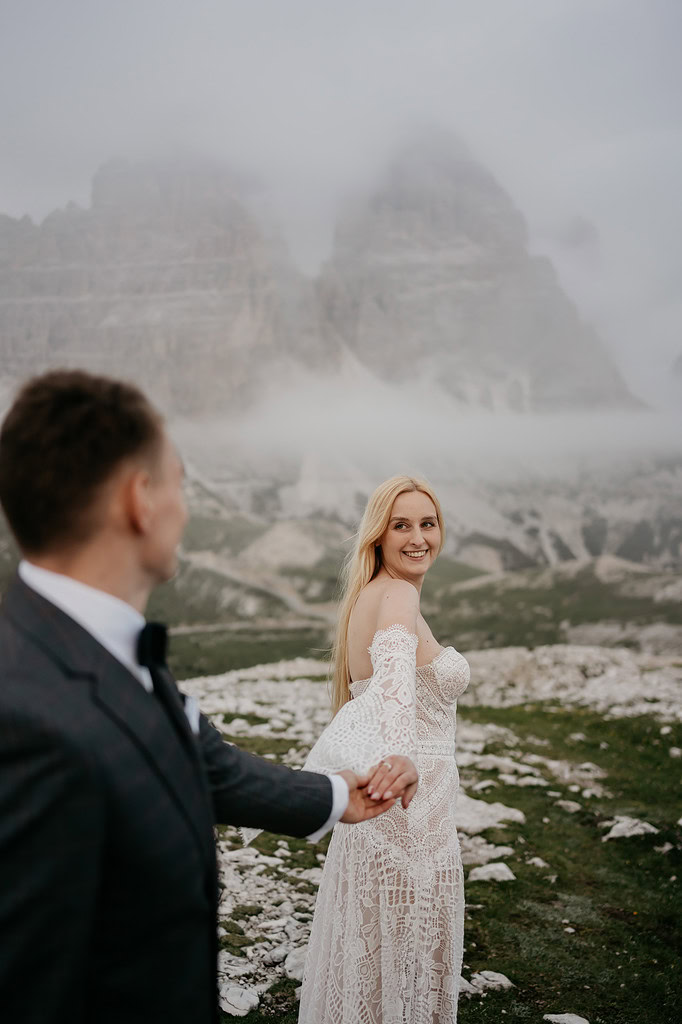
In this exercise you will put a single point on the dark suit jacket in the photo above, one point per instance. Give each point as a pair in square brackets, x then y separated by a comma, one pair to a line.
[108, 885]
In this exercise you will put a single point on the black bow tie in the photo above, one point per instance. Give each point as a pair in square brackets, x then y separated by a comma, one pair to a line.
[152, 644]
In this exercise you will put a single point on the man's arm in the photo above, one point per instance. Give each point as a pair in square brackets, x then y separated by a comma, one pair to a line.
[50, 840]
[250, 791]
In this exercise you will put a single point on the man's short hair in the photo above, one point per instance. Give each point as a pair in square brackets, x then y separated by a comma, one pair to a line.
[63, 438]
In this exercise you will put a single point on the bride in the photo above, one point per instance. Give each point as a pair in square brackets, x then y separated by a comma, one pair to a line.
[386, 940]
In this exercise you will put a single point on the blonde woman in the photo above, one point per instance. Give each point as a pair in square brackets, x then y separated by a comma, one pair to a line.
[386, 940]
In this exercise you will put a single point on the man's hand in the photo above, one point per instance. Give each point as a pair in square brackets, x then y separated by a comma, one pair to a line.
[395, 777]
[361, 806]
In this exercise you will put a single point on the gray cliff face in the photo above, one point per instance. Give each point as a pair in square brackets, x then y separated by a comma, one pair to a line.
[431, 277]
[168, 279]
[176, 277]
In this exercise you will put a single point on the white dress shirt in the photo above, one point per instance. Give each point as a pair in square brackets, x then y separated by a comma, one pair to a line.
[116, 625]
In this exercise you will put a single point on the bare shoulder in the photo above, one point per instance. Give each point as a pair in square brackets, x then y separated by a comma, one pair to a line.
[394, 601]
[382, 603]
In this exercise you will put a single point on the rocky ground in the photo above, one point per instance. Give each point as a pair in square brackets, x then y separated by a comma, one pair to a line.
[512, 782]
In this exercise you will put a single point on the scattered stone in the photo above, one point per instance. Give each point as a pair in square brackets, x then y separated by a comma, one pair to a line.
[666, 730]
[524, 780]
[466, 988]
[623, 827]
[293, 965]
[495, 872]
[675, 751]
[569, 805]
[484, 784]
[578, 737]
[476, 850]
[484, 980]
[474, 816]
[313, 875]
[238, 1001]
[276, 955]
[666, 848]
[230, 966]
[565, 1018]
[537, 862]
[571, 931]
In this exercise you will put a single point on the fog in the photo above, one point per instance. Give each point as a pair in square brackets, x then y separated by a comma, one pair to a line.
[574, 105]
[363, 430]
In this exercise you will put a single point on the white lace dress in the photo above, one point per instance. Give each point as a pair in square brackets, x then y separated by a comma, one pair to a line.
[386, 940]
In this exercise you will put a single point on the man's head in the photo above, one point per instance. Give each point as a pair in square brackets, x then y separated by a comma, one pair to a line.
[83, 456]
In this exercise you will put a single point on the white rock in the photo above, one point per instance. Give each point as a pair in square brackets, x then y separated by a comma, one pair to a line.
[495, 872]
[490, 980]
[622, 827]
[532, 780]
[293, 965]
[313, 875]
[666, 848]
[479, 787]
[474, 816]
[675, 751]
[238, 1001]
[569, 805]
[666, 730]
[466, 988]
[537, 862]
[577, 737]
[476, 850]
[565, 1018]
[276, 955]
[231, 966]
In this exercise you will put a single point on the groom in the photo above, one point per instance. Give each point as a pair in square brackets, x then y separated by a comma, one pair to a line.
[111, 781]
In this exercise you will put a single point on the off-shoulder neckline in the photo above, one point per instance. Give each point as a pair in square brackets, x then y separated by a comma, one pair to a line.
[399, 625]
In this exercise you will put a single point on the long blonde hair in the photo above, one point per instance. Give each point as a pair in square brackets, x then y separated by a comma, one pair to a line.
[362, 565]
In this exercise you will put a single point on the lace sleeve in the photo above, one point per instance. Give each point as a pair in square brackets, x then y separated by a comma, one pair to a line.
[382, 720]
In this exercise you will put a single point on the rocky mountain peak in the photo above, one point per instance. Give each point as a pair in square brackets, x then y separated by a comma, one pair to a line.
[177, 275]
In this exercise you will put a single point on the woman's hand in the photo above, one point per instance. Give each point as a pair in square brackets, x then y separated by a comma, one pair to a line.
[361, 806]
[395, 777]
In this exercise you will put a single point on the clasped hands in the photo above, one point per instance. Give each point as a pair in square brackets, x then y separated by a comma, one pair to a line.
[371, 794]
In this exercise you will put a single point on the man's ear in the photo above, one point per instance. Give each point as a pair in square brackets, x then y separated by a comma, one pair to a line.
[138, 500]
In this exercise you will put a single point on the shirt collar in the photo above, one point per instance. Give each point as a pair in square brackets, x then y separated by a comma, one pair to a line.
[112, 622]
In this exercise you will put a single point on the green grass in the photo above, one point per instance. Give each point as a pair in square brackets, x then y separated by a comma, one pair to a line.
[499, 615]
[201, 654]
[204, 533]
[619, 895]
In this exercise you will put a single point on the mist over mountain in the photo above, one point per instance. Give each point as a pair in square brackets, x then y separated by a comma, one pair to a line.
[431, 279]
[178, 277]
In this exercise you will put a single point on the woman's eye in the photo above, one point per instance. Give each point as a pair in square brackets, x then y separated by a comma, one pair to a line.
[428, 522]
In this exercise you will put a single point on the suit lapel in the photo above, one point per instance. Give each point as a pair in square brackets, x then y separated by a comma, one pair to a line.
[142, 716]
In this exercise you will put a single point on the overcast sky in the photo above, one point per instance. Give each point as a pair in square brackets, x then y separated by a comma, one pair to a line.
[575, 105]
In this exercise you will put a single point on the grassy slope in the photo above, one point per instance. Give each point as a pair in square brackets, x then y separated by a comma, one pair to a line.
[622, 963]
[495, 614]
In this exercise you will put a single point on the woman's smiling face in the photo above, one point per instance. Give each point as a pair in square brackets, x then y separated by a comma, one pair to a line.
[412, 539]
